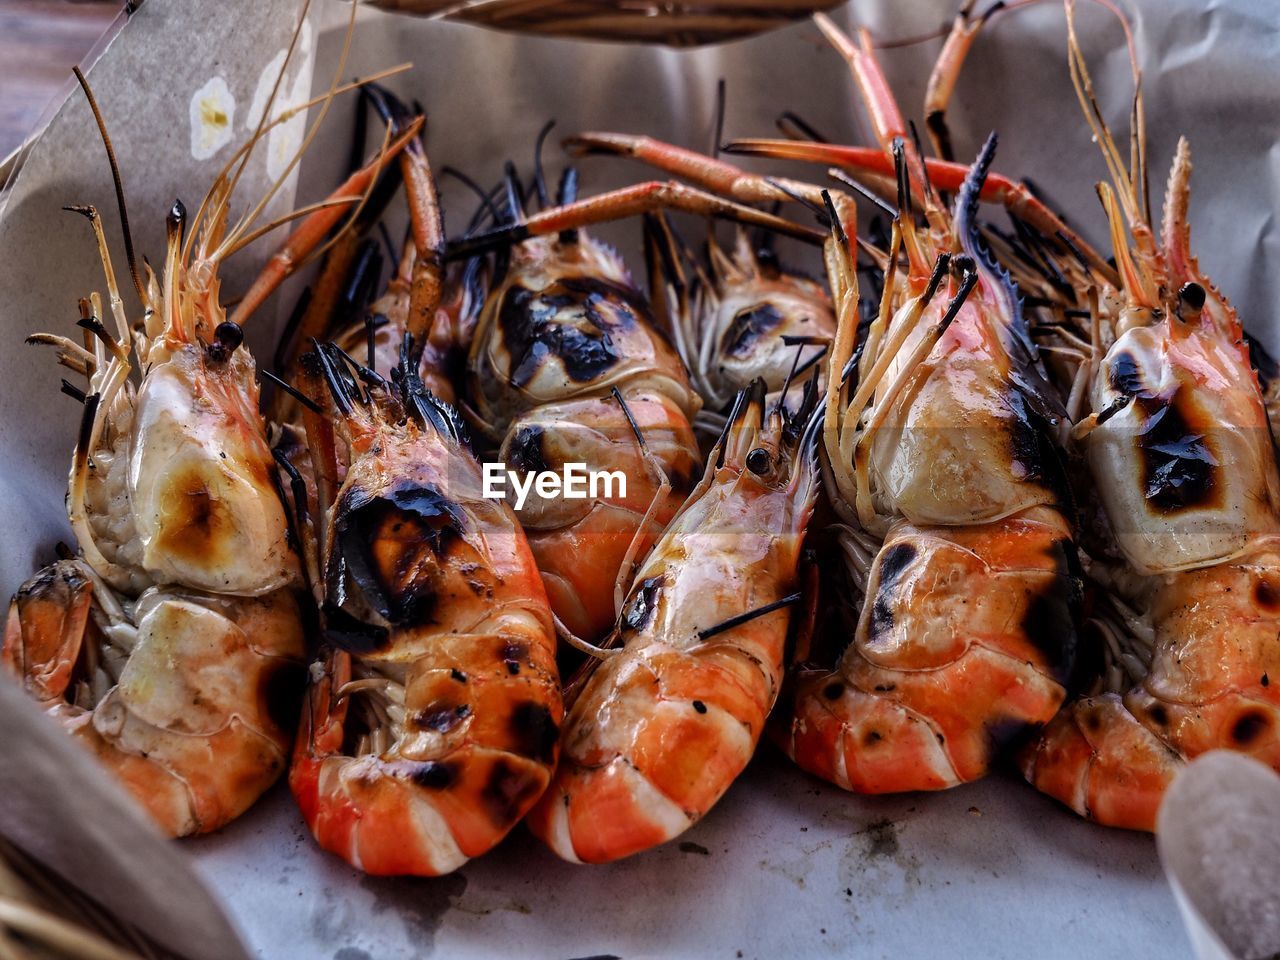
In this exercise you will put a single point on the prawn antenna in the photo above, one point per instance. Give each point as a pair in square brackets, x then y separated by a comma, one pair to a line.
[717, 133]
[635, 427]
[119, 184]
[290, 389]
[539, 177]
[747, 617]
[789, 123]
[885, 207]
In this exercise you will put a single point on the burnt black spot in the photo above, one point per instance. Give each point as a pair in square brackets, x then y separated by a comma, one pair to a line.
[871, 738]
[1092, 721]
[1050, 620]
[511, 655]
[1249, 727]
[441, 717]
[1266, 595]
[281, 690]
[833, 690]
[1178, 462]
[534, 732]
[640, 611]
[1159, 714]
[525, 453]
[573, 320]
[699, 706]
[1126, 377]
[434, 774]
[458, 675]
[507, 792]
[350, 633]
[389, 547]
[891, 564]
[748, 327]
[1266, 680]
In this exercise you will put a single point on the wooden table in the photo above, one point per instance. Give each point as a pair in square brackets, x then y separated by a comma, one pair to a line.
[40, 41]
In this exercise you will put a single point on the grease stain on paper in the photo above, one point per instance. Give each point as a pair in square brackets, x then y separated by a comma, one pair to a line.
[284, 138]
[213, 116]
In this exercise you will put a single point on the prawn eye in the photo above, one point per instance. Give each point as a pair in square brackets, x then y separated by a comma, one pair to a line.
[229, 334]
[1192, 294]
[758, 461]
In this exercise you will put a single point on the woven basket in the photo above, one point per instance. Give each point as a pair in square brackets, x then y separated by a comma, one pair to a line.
[674, 22]
[44, 918]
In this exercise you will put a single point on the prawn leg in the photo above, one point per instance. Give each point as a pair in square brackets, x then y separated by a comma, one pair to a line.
[626, 202]
[315, 227]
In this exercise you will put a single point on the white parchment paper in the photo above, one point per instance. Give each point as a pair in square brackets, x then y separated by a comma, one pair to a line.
[785, 865]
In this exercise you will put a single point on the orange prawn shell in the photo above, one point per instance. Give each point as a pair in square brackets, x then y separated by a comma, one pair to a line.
[196, 728]
[948, 661]
[565, 323]
[956, 446]
[481, 691]
[662, 729]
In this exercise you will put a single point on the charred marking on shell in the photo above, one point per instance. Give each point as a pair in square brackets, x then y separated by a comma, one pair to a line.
[748, 327]
[391, 545]
[1049, 619]
[573, 319]
[1159, 714]
[892, 563]
[1179, 465]
[352, 634]
[434, 774]
[508, 791]
[458, 675]
[512, 653]
[441, 717]
[1250, 726]
[1266, 595]
[644, 606]
[280, 688]
[699, 706]
[526, 453]
[194, 518]
[833, 690]
[871, 738]
[1126, 377]
[533, 732]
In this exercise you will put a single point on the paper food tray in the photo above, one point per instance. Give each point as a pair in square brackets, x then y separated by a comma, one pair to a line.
[785, 864]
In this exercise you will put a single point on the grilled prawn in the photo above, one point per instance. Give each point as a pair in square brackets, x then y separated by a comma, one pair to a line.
[567, 365]
[664, 725]
[744, 313]
[1183, 463]
[957, 518]
[431, 722]
[168, 646]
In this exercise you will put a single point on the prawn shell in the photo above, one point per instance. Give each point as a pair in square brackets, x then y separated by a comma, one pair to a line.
[966, 642]
[201, 479]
